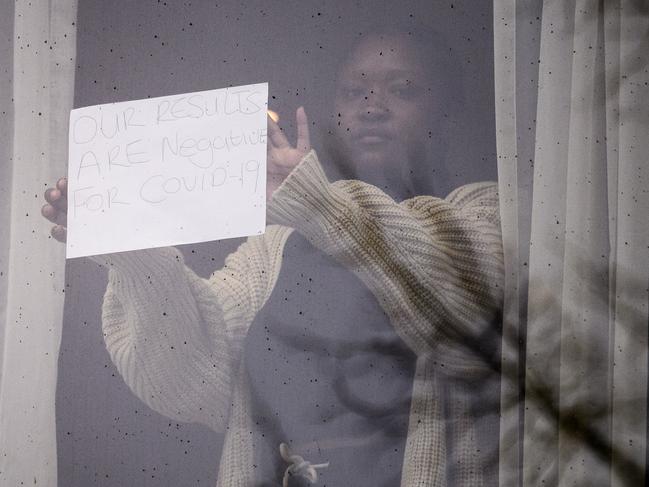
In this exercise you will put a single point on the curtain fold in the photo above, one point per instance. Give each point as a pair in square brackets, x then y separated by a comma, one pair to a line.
[584, 317]
[43, 66]
[631, 254]
[507, 148]
[6, 136]
[517, 40]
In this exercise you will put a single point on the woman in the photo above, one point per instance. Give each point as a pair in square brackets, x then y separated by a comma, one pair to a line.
[345, 342]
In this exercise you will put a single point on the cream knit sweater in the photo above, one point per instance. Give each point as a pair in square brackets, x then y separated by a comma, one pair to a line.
[435, 266]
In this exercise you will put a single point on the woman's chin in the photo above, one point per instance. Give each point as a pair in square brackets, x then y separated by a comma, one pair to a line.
[374, 158]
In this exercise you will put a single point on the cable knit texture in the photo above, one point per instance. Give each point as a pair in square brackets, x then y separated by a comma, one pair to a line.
[435, 266]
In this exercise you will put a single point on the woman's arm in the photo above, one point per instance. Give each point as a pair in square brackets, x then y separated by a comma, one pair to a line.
[176, 338]
[435, 264]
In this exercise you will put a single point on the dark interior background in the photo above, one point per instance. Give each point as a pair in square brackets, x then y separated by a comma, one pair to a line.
[131, 49]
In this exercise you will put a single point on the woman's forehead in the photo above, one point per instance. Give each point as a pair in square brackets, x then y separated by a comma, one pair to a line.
[386, 57]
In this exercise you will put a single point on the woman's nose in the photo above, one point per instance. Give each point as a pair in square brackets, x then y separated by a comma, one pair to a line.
[375, 106]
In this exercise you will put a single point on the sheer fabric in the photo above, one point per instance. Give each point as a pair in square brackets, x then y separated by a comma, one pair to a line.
[39, 75]
[572, 163]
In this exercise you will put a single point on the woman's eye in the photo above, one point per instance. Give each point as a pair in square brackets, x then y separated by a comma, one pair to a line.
[404, 90]
[352, 93]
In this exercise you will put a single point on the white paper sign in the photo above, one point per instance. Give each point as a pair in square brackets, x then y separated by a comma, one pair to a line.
[166, 171]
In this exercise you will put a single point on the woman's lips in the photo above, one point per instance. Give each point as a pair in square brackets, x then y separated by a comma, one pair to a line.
[372, 139]
[372, 136]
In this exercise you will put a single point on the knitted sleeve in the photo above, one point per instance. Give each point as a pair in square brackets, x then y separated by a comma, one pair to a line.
[175, 337]
[435, 265]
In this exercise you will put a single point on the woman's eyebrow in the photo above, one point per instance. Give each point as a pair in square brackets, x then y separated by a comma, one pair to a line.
[408, 74]
[386, 75]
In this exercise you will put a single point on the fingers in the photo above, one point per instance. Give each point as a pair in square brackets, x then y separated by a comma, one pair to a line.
[303, 138]
[55, 210]
[276, 136]
[52, 195]
[62, 185]
[60, 233]
[58, 197]
[54, 214]
[49, 212]
[279, 140]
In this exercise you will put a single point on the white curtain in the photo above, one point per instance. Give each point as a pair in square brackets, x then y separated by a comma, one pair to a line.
[572, 118]
[38, 59]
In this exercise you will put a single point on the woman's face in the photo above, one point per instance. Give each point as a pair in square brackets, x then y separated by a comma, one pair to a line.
[383, 102]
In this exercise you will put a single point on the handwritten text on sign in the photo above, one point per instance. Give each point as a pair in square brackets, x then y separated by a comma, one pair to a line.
[167, 171]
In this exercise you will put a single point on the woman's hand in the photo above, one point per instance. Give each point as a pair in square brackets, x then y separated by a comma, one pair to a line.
[282, 156]
[56, 209]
